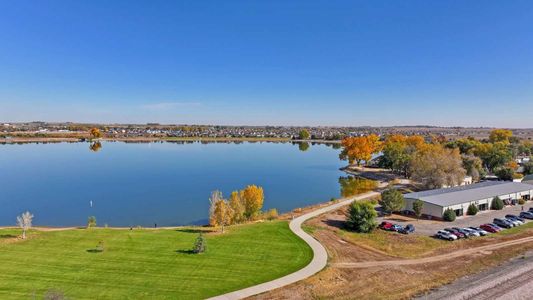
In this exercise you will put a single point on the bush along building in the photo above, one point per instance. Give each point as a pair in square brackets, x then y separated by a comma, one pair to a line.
[458, 199]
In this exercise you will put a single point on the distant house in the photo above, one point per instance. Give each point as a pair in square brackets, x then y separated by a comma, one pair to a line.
[460, 197]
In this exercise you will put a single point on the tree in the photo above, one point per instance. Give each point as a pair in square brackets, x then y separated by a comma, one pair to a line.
[494, 155]
[222, 213]
[500, 135]
[473, 166]
[95, 133]
[398, 151]
[358, 149]
[418, 206]
[436, 166]
[449, 215]
[237, 206]
[472, 210]
[213, 200]
[528, 168]
[361, 217]
[271, 214]
[497, 204]
[253, 198]
[304, 134]
[24, 222]
[506, 174]
[91, 222]
[392, 200]
[200, 245]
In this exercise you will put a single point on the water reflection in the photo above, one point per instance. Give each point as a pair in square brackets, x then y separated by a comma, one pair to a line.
[303, 146]
[351, 185]
[96, 146]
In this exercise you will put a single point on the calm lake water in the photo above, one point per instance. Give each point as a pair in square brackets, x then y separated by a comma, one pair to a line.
[132, 184]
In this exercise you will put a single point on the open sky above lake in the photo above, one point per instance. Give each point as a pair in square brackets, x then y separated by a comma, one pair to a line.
[465, 63]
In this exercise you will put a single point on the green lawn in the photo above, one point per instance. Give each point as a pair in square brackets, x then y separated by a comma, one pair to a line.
[146, 264]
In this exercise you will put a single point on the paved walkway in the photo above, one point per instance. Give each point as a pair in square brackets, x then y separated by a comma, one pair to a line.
[320, 255]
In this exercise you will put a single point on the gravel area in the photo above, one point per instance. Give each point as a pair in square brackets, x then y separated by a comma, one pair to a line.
[512, 280]
[429, 227]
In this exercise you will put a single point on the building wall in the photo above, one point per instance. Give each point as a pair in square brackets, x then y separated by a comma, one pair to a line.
[428, 209]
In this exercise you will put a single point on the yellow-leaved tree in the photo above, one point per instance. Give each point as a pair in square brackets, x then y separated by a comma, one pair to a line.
[222, 213]
[237, 206]
[253, 198]
[360, 148]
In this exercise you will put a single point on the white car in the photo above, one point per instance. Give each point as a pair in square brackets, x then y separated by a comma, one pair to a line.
[445, 235]
[472, 232]
[514, 222]
[480, 231]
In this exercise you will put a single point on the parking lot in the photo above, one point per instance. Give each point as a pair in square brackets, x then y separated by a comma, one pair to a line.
[430, 227]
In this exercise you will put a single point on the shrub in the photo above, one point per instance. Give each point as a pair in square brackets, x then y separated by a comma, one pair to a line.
[271, 214]
[361, 217]
[200, 245]
[449, 215]
[521, 201]
[497, 203]
[472, 210]
[418, 205]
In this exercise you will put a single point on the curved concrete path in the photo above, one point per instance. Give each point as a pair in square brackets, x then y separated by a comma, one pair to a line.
[320, 255]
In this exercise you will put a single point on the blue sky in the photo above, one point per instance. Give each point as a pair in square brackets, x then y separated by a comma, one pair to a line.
[461, 63]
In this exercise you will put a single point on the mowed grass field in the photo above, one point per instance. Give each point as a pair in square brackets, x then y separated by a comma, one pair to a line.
[145, 263]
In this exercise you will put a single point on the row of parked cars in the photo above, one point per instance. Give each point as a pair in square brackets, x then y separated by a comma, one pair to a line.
[388, 226]
[497, 225]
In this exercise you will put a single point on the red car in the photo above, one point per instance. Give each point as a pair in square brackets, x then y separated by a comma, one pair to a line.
[489, 228]
[386, 225]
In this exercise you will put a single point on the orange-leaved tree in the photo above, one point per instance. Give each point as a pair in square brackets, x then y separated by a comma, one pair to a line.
[360, 148]
[95, 133]
[252, 197]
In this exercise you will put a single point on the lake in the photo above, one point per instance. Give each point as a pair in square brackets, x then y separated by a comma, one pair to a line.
[168, 183]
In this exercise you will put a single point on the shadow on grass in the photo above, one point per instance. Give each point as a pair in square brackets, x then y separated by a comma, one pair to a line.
[94, 251]
[335, 223]
[189, 251]
[7, 236]
[193, 230]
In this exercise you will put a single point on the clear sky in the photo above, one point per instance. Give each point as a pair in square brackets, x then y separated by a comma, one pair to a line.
[461, 63]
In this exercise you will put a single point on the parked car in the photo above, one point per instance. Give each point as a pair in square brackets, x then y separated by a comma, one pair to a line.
[471, 232]
[396, 227]
[526, 215]
[503, 223]
[531, 209]
[480, 231]
[514, 222]
[516, 218]
[497, 227]
[458, 234]
[461, 230]
[489, 228]
[409, 228]
[445, 235]
[385, 225]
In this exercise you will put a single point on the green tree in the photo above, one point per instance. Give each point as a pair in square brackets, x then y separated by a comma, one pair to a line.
[472, 210]
[361, 217]
[200, 245]
[528, 168]
[500, 135]
[506, 174]
[497, 203]
[474, 167]
[449, 215]
[91, 222]
[304, 134]
[392, 200]
[418, 205]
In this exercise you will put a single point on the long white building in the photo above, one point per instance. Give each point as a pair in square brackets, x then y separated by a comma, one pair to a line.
[459, 198]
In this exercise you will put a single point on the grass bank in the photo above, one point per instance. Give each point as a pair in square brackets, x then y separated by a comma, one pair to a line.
[146, 264]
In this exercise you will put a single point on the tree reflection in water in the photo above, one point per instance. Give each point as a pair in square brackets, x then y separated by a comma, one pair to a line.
[95, 147]
[351, 185]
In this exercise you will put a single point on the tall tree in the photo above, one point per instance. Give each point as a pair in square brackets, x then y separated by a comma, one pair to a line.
[418, 206]
[216, 196]
[222, 213]
[253, 198]
[304, 134]
[237, 206]
[437, 166]
[24, 222]
[500, 135]
[359, 149]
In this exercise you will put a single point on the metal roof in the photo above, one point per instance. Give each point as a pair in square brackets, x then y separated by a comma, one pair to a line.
[528, 178]
[468, 193]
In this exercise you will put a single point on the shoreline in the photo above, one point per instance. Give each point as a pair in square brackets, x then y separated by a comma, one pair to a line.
[29, 140]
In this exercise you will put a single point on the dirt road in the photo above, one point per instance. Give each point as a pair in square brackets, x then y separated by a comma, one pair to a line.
[513, 280]
[431, 259]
